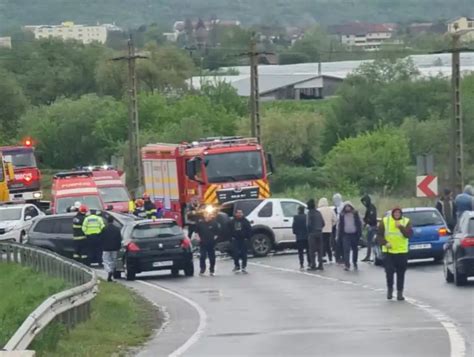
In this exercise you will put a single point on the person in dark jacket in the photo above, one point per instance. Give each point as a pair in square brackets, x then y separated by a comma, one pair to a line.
[300, 230]
[240, 230]
[81, 248]
[192, 217]
[111, 243]
[315, 241]
[208, 231]
[370, 221]
[464, 201]
[447, 208]
[350, 231]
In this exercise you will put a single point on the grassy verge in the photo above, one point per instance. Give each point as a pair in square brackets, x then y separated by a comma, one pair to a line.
[21, 291]
[120, 320]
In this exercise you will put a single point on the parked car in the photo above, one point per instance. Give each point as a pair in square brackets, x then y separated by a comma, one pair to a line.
[459, 251]
[271, 219]
[152, 245]
[430, 233]
[16, 220]
[55, 232]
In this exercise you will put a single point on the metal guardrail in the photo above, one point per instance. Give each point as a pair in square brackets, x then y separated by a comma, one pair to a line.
[69, 306]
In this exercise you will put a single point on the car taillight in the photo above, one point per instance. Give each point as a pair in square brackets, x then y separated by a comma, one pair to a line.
[467, 242]
[443, 232]
[185, 243]
[132, 247]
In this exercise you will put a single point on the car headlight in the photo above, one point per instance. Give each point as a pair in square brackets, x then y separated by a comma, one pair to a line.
[37, 195]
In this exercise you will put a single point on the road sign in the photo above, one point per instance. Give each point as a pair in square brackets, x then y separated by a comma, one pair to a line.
[426, 186]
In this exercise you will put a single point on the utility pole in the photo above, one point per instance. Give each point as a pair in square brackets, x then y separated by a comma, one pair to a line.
[136, 179]
[254, 104]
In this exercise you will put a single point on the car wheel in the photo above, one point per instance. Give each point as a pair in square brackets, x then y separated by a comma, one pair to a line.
[448, 275]
[459, 278]
[175, 272]
[189, 268]
[261, 245]
[129, 273]
[22, 237]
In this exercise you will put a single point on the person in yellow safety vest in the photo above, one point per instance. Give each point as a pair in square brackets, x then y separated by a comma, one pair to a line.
[393, 236]
[92, 227]
[80, 241]
[150, 207]
[131, 206]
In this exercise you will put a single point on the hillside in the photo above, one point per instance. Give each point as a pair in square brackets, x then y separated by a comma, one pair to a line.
[295, 12]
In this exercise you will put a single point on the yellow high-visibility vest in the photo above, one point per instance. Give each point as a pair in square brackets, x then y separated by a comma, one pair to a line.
[93, 224]
[398, 242]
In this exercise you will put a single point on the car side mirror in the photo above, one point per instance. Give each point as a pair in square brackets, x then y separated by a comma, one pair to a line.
[28, 218]
[270, 166]
[192, 167]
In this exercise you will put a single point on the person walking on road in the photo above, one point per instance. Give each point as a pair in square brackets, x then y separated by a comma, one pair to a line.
[447, 208]
[370, 221]
[79, 238]
[464, 201]
[330, 220]
[92, 227]
[315, 241]
[111, 243]
[300, 230]
[337, 243]
[393, 236]
[350, 231]
[240, 230]
[208, 231]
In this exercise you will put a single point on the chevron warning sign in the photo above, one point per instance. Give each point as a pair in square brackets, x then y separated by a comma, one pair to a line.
[426, 186]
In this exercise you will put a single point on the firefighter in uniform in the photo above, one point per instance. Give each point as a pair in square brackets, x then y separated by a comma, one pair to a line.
[92, 227]
[80, 240]
[140, 209]
[150, 207]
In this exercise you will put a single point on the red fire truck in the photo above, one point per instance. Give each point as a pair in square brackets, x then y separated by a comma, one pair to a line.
[112, 189]
[26, 185]
[74, 186]
[212, 171]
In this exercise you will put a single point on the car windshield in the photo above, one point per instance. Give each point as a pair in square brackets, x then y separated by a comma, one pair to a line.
[156, 230]
[424, 218]
[10, 214]
[113, 194]
[234, 166]
[24, 158]
[92, 202]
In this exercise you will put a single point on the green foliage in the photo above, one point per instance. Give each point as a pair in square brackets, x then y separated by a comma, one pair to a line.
[376, 160]
[78, 132]
[292, 57]
[12, 105]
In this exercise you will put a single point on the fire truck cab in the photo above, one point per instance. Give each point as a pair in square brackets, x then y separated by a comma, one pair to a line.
[26, 185]
[74, 186]
[112, 190]
[210, 171]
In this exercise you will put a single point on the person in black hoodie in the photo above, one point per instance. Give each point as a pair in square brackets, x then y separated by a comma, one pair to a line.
[240, 230]
[208, 231]
[111, 243]
[315, 241]
[370, 221]
[300, 230]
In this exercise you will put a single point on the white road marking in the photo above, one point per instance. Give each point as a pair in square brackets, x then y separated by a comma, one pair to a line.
[202, 318]
[456, 340]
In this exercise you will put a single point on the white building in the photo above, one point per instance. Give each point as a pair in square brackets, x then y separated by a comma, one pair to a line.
[71, 31]
[463, 24]
[5, 42]
[362, 35]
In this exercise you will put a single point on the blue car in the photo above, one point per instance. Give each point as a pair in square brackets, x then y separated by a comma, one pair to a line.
[430, 233]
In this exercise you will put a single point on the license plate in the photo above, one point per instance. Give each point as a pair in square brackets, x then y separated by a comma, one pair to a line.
[163, 264]
[420, 246]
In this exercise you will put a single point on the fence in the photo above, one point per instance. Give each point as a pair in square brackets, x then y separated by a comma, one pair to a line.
[69, 306]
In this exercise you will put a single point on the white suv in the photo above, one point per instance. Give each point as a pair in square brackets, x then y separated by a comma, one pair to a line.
[271, 220]
[16, 220]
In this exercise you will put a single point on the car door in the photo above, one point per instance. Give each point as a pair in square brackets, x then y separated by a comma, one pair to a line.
[289, 209]
[63, 236]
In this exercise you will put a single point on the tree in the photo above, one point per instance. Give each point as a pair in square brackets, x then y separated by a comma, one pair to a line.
[376, 160]
[12, 105]
[77, 132]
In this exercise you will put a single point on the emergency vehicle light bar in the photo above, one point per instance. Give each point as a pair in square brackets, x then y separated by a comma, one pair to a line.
[224, 141]
[73, 174]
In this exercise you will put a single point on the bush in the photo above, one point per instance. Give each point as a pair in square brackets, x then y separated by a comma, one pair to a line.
[375, 160]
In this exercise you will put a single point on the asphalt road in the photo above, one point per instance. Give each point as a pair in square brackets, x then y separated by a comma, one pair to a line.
[276, 310]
